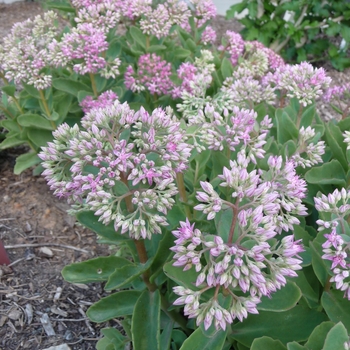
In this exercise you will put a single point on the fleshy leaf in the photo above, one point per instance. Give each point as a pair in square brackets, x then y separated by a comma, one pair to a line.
[184, 278]
[94, 270]
[25, 161]
[126, 274]
[336, 338]
[265, 343]
[115, 305]
[283, 300]
[337, 307]
[318, 336]
[89, 220]
[199, 341]
[328, 173]
[145, 325]
[292, 325]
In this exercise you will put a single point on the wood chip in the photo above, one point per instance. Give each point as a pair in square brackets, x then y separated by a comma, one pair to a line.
[57, 294]
[29, 312]
[81, 285]
[58, 311]
[59, 347]
[45, 321]
[5, 270]
[3, 319]
[14, 314]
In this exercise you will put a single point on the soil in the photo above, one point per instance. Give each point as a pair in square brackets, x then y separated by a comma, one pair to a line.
[30, 215]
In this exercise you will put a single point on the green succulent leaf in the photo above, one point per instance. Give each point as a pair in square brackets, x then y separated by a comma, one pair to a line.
[295, 324]
[94, 270]
[89, 220]
[264, 343]
[283, 300]
[25, 161]
[145, 325]
[337, 307]
[115, 305]
[331, 173]
[199, 341]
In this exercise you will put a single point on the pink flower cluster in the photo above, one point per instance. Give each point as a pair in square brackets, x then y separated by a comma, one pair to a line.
[205, 10]
[132, 181]
[153, 74]
[264, 204]
[274, 60]
[25, 51]
[336, 248]
[336, 93]
[106, 99]
[234, 46]
[85, 44]
[208, 35]
[302, 81]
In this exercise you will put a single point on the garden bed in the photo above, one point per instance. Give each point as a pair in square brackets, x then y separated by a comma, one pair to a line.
[42, 239]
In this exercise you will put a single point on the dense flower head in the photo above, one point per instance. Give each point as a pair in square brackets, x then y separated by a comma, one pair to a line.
[135, 8]
[302, 81]
[107, 98]
[208, 35]
[308, 153]
[25, 51]
[179, 12]
[103, 15]
[338, 92]
[257, 63]
[247, 90]
[336, 248]
[153, 74]
[195, 79]
[274, 60]
[205, 10]
[234, 46]
[132, 182]
[156, 22]
[222, 124]
[250, 264]
[232, 267]
[85, 45]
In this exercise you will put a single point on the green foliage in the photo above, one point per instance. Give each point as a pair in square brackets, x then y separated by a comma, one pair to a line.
[295, 324]
[299, 30]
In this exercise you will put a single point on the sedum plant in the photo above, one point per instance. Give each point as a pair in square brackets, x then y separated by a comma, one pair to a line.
[299, 30]
[206, 168]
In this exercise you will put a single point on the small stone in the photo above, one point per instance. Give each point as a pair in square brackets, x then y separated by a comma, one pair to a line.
[6, 199]
[45, 252]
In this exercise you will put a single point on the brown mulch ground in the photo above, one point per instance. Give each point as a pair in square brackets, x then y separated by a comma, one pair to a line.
[29, 214]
